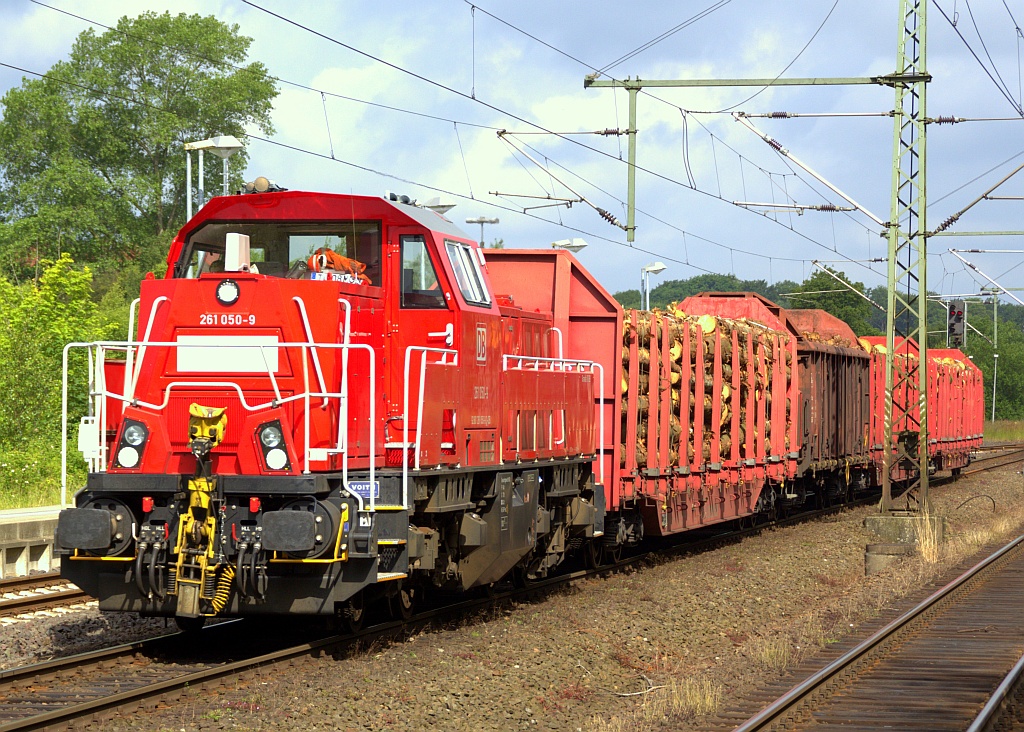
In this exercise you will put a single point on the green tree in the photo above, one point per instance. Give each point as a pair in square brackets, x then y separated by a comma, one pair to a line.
[91, 155]
[39, 320]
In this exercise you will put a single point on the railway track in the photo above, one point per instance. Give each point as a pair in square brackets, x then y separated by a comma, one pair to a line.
[933, 668]
[1001, 456]
[116, 680]
[20, 595]
[113, 681]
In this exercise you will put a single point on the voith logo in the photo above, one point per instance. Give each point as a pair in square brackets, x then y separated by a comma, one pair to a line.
[481, 343]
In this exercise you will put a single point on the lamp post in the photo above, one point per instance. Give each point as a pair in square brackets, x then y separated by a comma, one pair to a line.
[482, 220]
[572, 245]
[645, 282]
[995, 373]
[223, 146]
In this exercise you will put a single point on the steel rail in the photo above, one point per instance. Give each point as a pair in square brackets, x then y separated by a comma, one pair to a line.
[800, 695]
[68, 595]
[1008, 689]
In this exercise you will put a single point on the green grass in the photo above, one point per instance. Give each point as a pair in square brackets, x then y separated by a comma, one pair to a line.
[30, 476]
[1004, 430]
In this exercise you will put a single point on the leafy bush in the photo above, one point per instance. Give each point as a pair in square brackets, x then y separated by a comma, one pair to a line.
[39, 319]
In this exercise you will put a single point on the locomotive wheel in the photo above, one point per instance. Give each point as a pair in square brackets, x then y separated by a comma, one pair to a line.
[190, 625]
[353, 612]
[403, 603]
[521, 577]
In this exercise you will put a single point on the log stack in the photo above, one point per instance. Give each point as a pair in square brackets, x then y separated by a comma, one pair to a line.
[717, 384]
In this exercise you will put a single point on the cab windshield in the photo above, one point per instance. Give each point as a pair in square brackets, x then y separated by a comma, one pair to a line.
[284, 249]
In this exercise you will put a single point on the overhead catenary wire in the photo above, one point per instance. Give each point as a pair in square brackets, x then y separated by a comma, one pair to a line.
[684, 112]
[667, 178]
[1017, 107]
[667, 34]
[226, 64]
[486, 104]
[325, 93]
[988, 55]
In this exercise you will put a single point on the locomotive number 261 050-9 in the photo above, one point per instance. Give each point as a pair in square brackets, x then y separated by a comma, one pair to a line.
[226, 319]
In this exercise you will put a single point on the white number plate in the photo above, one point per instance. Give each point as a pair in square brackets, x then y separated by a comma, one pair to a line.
[227, 319]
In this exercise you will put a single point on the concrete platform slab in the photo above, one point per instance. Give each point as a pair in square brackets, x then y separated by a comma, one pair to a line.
[26, 541]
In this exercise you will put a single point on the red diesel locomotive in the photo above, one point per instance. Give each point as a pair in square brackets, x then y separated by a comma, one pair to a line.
[334, 399]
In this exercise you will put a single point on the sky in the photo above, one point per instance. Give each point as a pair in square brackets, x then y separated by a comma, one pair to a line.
[428, 85]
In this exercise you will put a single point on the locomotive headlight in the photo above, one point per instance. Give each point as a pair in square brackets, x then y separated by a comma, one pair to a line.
[134, 435]
[271, 436]
[132, 443]
[227, 292]
[272, 444]
[128, 457]
[277, 459]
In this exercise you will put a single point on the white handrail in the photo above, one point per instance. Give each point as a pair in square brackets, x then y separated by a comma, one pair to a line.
[309, 337]
[129, 353]
[145, 339]
[423, 350]
[99, 391]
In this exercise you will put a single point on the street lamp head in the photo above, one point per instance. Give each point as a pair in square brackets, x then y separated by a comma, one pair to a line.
[223, 146]
[655, 268]
[436, 205]
[573, 245]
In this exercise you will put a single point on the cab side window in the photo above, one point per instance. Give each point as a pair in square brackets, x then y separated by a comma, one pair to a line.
[467, 273]
[420, 288]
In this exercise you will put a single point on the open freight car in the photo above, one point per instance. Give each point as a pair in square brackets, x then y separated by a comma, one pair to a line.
[830, 404]
[956, 402]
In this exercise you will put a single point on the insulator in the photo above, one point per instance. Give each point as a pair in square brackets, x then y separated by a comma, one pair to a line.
[827, 207]
[607, 216]
[610, 131]
[774, 143]
[224, 584]
[950, 120]
[947, 223]
[780, 115]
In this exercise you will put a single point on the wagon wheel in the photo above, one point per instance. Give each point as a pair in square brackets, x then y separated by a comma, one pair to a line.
[611, 554]
[521, 577]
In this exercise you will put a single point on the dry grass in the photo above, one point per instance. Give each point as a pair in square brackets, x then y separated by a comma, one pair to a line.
[929, 544]
[679, 699]
[773, 653]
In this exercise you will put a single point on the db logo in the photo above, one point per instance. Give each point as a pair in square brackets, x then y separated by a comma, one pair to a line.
[481, 343]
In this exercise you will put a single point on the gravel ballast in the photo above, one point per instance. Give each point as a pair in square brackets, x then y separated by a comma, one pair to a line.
[665, 645]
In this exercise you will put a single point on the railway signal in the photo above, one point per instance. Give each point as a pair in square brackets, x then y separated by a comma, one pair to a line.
[956, 323]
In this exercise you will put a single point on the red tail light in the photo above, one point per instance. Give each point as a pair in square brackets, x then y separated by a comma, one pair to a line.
[254, 504]
[147, 504]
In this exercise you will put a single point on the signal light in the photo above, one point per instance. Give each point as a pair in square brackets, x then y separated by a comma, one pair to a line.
[147, 504]
[956, 322]
[254, 504]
